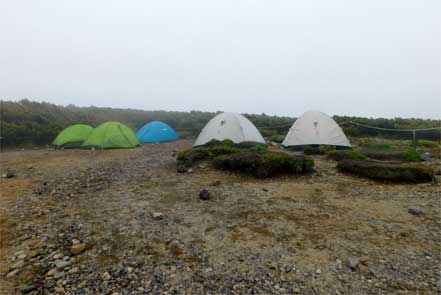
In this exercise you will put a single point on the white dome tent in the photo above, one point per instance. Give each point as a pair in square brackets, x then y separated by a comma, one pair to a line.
[315, 128]
[231, 126]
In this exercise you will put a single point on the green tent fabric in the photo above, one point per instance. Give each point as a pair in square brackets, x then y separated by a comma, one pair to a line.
[73, 136]
[112, 135]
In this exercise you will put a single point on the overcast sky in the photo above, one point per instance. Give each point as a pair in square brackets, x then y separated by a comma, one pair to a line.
[379, 58]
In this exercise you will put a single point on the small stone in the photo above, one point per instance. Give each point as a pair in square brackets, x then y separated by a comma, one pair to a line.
[22, 256]
[78, 248]
[157, 215]
[12, 273]
[106, 276]
[181, 168]
[216, 183]
[204, 194]
[8, 174]
[60, 264]
[318, 271]
[438, 285]
[18, 264]
[352, 263]
[415, 211]
[59, 275]
[58, 255]
[74, 270]
[51, 272]
[59, 289]
[129, 269]
[75, 242]
[27, 289]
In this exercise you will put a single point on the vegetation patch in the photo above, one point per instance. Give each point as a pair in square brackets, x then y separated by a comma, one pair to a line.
[340, 155]
[264, 165]
[389, 172]
[428, 143]
[212, 149]
[248, 158]
[407, 154]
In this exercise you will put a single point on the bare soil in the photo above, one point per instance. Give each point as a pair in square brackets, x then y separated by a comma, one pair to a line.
[286, 235]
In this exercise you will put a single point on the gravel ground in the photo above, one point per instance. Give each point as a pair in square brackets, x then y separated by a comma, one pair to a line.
[124, 222]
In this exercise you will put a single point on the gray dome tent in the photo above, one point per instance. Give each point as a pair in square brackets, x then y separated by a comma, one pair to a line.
[315, 128]
[232, 126]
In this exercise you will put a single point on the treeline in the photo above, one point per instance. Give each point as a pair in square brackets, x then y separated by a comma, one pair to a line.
[38, 123]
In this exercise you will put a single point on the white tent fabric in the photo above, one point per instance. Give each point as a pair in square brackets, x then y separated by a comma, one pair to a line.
[231, 126]
[315, 128]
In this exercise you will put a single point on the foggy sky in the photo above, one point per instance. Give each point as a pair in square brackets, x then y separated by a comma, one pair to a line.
[379, 58]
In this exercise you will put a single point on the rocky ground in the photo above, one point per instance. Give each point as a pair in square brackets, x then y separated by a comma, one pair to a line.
[124, 222]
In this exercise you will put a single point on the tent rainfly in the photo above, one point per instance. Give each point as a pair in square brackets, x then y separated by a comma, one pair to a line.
[72, 136]
[315, 128]
[156, 131]
[232, 126]
[112, 135]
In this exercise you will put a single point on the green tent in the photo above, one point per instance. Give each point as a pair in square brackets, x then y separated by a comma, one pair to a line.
[112, 135]
[73, 136]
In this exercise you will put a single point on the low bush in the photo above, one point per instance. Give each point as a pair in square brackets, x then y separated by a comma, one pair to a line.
[312, 150]
[428, 143]
[408, 154]
[374, 144]
[214, 148]
[276, 138]
[340, 155]
[264, 165]
[386, 171]
[325, 149]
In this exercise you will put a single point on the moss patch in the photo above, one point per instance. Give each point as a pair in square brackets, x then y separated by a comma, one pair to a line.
[385, 171]
[340, 155]
[264, 165]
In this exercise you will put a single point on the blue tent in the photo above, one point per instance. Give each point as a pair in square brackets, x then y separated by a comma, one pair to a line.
[156, 131]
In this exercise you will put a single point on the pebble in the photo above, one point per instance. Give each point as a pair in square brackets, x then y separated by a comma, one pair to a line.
[74, 269]
[12, 273]
[106, 276]
[438, 285]
[157, 215]
[18, 264]
[352, 263]
[318, 271]
[204, 194]
[78, 248]
[27, 289]
[415, 211]
[51, 272]
[59, 275]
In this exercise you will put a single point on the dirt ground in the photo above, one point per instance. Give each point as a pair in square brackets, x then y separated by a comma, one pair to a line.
[287, 235]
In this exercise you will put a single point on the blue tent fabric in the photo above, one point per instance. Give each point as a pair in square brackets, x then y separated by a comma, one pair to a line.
[156, 131]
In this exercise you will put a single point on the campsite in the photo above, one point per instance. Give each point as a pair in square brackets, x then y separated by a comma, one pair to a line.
[220, 147]
[87, 219]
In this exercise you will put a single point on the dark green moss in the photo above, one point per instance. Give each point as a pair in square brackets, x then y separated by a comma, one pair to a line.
[386, 171]
[264, 165]
[339, 155]
[408, 154]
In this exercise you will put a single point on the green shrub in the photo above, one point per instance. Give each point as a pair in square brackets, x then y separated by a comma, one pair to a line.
[410, 155]
[264, 165]
[311, 150]
[378, 146]
[386, 171]
[428, 143]
[339, 155]
[276, 138]
[325, 149]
